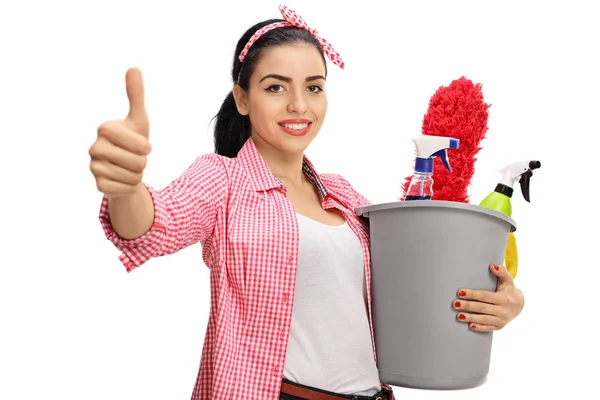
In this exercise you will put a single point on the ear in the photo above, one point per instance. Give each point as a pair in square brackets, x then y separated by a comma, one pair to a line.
[240, 99]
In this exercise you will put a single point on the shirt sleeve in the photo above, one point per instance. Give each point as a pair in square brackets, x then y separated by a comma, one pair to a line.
[185, 213]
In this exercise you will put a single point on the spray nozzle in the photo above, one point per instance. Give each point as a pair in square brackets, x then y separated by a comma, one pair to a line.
[522, 172]
[429, 147]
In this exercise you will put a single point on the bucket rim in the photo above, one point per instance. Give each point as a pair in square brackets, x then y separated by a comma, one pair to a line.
[366, 210]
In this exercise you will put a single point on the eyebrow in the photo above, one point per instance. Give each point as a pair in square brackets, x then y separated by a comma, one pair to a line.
[287, 79]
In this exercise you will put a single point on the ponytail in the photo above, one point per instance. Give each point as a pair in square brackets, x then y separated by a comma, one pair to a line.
[232, 129]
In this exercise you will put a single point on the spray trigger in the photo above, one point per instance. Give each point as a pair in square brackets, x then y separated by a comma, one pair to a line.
[525, 179]
[524, 182]
[443, 155]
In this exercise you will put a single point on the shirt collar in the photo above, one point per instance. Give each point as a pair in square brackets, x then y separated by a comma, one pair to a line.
[261, 176]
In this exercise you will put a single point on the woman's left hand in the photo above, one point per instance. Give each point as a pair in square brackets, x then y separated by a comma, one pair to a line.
[492, 310]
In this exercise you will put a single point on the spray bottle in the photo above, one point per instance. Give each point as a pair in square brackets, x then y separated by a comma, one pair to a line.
[428, 147]
[499, 200]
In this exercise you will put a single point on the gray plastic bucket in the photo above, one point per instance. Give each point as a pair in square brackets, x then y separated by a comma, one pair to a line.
[422, 252]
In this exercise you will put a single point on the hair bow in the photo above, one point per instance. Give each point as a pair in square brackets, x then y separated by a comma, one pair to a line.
[293, 19]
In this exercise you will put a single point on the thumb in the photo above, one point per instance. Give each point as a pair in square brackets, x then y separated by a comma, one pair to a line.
[137, 107]
[504, 277]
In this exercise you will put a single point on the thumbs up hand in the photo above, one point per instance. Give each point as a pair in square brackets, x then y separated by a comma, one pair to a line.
[119, 154]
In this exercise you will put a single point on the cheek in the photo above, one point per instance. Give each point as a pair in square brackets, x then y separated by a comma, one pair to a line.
[264, 110]
[320, 107]
[263, 117]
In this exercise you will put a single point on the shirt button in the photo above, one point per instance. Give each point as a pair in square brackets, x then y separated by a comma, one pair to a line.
[276, 370]
[286, 298]
[291, 260]
[282, 334]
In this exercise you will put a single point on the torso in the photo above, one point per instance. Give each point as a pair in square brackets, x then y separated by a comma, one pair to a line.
[248, 226]
[330, 273]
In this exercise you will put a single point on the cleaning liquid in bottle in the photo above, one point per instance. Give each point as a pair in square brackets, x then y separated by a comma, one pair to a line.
[428, 147]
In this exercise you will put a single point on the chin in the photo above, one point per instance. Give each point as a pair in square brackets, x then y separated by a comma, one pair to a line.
[295, 144]
[287, 144]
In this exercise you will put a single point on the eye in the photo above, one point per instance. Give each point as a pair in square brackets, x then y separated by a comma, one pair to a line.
[274, 88]
[315, 89]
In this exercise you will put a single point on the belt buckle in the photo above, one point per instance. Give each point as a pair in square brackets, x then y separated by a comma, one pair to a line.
[384, 396]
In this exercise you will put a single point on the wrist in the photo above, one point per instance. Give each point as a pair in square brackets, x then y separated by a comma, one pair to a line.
[137, 191]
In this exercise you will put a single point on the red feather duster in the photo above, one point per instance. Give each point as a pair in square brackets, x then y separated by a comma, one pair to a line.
[457, 111]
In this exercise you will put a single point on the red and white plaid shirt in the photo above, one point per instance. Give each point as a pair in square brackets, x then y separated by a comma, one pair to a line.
[239, 212]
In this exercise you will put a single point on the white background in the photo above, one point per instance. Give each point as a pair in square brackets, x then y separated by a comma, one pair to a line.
[74, 325]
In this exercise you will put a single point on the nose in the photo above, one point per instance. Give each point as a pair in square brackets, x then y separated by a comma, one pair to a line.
[297, 103]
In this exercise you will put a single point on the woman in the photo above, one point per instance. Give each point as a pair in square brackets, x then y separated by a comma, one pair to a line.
[289, 260]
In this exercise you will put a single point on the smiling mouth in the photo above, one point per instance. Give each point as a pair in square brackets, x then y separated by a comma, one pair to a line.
[297, 127]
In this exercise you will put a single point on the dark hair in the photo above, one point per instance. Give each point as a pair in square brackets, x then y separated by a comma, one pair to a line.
[231, 128]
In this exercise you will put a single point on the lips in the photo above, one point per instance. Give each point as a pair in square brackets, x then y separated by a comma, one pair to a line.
[296, 127]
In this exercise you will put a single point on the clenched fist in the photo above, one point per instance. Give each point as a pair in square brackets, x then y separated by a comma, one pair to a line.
[119, 154]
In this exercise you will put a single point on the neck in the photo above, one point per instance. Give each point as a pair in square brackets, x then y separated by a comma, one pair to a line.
[285, 166]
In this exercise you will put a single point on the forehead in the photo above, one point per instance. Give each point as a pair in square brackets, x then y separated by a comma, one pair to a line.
[291, 60]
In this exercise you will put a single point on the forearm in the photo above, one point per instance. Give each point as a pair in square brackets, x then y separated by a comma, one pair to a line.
[153, 223]
[131, 216]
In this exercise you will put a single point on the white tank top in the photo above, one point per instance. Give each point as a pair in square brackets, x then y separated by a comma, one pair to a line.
[330, 342]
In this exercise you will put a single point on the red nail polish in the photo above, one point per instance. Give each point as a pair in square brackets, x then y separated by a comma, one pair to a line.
[462, 293]
[457, 304]
[497, 268]
[461, 316]
[473, 326]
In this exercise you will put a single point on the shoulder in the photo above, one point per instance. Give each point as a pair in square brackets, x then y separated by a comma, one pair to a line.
[341, 188]
[335, 181]
[211, 164]
[208, 172]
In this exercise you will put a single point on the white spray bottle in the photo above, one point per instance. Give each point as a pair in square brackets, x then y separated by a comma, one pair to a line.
[499, 199]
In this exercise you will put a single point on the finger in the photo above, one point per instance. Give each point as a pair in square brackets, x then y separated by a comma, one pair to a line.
[484, 328]
[504, 277]
[481, 295]
[113, 188]
[135, 93]
[120, 135]
[106, 151]
[479, 307]
[112, 172]
[480, 320]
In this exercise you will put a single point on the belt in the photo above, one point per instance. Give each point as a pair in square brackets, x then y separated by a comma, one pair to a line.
[308, 393]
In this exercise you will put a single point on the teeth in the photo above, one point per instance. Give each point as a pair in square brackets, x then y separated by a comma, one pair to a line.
[295, 126]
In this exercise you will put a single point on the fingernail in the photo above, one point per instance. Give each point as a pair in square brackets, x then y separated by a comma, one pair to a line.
[473, 326]
[462, 293]
[461, 316]
[457, 304]
[496, 267]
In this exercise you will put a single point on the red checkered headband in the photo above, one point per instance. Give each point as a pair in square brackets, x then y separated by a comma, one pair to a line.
[293, 19]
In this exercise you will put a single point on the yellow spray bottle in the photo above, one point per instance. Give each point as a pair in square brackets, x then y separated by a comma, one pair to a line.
[499, 200]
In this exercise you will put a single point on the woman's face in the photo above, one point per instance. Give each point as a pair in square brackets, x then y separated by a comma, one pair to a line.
[286, 99]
